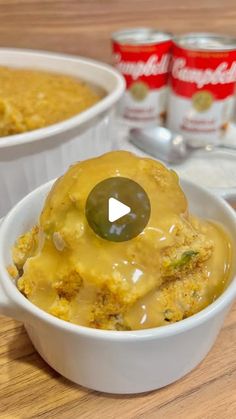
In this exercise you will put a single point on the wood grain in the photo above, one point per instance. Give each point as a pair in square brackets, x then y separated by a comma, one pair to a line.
[84, 27]
[29, 388]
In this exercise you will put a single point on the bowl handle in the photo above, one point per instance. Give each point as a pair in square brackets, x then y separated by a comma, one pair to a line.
[7, 307]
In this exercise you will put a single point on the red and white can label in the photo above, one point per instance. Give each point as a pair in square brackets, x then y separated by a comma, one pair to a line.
[202, 87]
[146, 70]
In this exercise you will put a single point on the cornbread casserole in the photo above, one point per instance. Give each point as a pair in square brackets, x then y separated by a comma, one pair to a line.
[32, 99]
[177, 266]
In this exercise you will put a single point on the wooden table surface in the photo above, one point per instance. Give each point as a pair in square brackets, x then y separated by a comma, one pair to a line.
[28, 386]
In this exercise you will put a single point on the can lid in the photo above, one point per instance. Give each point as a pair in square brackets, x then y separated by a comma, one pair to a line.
[141, 36]
[206, 41]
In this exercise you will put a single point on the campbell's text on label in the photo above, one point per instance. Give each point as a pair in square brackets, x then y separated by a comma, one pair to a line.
[154, 66]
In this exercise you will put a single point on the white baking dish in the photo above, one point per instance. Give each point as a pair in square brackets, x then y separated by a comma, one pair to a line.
[116, 362]
[30, 159]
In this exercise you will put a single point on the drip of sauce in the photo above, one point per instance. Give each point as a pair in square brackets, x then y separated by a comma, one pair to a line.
[192, 293]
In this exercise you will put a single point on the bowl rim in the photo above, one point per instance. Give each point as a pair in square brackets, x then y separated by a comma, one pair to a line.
[60, 127]
[21, 302]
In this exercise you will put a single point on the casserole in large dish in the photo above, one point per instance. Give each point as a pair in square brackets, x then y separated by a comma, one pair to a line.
[29, 159]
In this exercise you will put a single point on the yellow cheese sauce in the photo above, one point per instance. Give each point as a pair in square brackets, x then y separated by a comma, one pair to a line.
[190, 293]
[178, 265]
[31, 99]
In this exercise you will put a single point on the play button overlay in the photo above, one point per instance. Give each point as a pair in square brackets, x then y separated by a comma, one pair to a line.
[117, 209]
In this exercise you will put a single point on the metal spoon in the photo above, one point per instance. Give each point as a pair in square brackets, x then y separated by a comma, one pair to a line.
[166, 145]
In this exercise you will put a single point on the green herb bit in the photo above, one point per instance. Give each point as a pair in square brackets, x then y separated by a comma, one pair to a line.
[186, 257]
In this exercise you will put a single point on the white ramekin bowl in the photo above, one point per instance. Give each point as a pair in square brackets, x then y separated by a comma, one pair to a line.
[116, 362]
[30, 159]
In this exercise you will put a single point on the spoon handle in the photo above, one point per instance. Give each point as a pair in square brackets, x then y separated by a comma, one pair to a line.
[212, 147]
[227, 146]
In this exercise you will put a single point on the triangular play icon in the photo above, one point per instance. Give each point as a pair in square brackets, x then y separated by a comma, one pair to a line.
[116, 209]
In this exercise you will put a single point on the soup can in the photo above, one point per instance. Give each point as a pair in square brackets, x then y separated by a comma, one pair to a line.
[142, 55]
[202, 86]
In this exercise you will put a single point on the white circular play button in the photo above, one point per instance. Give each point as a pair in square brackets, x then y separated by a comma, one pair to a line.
[117, 209]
